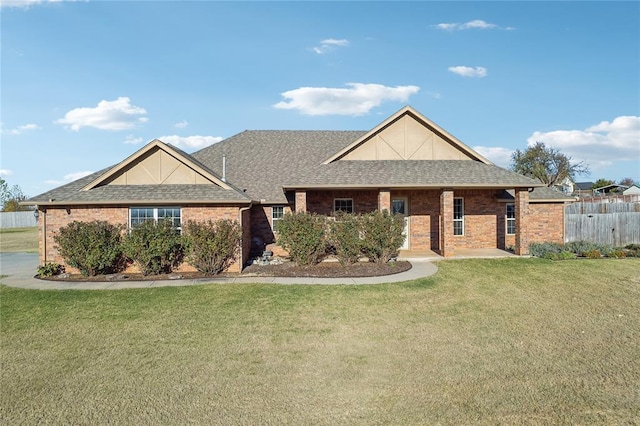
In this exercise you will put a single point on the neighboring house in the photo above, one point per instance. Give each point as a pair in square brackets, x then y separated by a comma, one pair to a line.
[632, 190]
[452, 197]
[566, 186]
[583, 189]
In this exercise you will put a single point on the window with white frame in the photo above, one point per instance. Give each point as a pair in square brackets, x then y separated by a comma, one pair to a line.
[139, 215]
[511, 219]
[458, 216]
[277, 213]
[344, 205]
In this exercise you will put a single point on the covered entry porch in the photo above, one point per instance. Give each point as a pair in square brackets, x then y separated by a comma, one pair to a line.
[447, 222]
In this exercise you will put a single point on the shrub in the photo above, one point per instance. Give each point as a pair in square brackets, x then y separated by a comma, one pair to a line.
[303, 236]
[211, 247]
[581, 247]
[563, 255]
[635, 247]
[593, 254]
[542, 249]
[618, 254]
[91, 247]
[50, 269]
[382, 235]
[155, 247]
[344, 235]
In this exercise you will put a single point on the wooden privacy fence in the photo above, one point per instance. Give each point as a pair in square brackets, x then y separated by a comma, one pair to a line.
[617, 224]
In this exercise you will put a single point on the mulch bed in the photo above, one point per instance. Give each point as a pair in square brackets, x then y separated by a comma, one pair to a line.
[286, 269]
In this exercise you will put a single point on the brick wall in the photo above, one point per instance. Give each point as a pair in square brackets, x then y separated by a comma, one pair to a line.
[262, 236]
[424, 210]
[321, 202]
[58, 217]
[546, 222]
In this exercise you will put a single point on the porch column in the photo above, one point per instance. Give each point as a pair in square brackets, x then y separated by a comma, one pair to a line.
[521, 204]
[384, 200]
[301, 201]
[446, 223]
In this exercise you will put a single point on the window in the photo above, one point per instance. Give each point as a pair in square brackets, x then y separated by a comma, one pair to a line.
[277, 212]
[511, 219]
[458, 216]
[343, 205]
[138, 215]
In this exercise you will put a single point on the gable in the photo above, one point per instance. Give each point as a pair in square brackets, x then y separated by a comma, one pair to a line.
[158, 164]
[157, 168]
[407, 135]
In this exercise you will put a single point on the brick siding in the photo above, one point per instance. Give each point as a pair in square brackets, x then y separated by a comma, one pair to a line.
[57, 217]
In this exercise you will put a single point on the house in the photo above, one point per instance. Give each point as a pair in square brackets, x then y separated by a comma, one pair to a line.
[451, 196]
[632, 190]
[583, 189]
[566, 186]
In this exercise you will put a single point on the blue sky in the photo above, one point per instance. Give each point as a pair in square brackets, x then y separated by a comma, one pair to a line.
[86, 84]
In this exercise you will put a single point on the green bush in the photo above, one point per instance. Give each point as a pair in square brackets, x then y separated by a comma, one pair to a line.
[155, 247]
[211, 247]
[303, 236]
[581, 247]
[92, 247]
[382, 235]
[50, 269]
[563, 255]
[344, 236]
[542, 249]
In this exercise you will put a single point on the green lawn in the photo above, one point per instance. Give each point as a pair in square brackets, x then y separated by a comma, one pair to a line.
[19, 240]
[508, 341]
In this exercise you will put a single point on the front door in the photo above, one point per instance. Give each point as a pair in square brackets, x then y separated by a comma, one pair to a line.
[400, 205]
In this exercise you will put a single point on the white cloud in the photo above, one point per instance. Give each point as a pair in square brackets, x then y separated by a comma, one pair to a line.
[69, 177]
[182, 124]
[76, 175]
[598, 145]
[5, 172]
[475, 24]
[329, 44]
[479, 72]
[190, 141]
[26, 4]
[132, 140]
[108, 115]
[21, 129]
[498, 155]
[357, 99]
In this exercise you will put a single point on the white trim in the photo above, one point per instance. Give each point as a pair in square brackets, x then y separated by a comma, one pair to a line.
[461, 220]
[274, 219]
[353, 209]
[507, 219]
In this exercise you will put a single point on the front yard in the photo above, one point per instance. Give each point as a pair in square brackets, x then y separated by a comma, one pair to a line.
[483, 341]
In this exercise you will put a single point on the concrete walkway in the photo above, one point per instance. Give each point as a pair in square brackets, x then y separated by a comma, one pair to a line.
[21, 267]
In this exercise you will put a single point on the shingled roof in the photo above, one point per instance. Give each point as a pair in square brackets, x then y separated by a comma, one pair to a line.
[266, 163]
[262, 165]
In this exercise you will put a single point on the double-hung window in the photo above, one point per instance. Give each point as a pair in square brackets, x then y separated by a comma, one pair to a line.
[344, 205]
[511, 219]
[458, 216]
[277, 213]
[139, 215]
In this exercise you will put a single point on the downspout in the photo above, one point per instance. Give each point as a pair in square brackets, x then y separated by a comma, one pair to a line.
[242, 210]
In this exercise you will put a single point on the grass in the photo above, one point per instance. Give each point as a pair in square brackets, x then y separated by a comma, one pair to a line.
[14, 240]
[515, 341]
